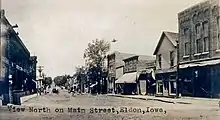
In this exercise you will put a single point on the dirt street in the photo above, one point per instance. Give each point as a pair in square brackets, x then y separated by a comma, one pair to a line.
[103, 107]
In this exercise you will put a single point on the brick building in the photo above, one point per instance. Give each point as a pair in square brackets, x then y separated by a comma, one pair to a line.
[199, 49]
[18, 68]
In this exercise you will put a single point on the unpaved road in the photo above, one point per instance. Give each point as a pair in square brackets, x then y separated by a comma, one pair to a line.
[108, 108]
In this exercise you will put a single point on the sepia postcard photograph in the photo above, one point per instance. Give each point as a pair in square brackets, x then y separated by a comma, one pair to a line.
[110, 60]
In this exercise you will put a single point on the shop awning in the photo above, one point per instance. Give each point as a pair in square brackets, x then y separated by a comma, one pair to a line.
[203, 63]
[127, 78]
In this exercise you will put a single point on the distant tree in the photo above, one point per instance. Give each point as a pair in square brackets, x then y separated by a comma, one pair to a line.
[60, 80]
[47, 81]
[95, 56]
[80, 76]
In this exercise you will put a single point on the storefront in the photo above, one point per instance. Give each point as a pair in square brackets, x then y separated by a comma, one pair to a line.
[127, 84]
[201, 79]
[166, 82]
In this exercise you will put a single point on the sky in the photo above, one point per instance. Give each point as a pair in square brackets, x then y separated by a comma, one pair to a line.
[58, 31]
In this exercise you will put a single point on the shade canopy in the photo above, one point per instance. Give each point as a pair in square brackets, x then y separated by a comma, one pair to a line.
[203, 63]
[127, 78]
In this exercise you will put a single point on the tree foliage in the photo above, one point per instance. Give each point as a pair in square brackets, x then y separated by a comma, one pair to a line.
[96, 52]
[95, 56]
[80, 74]
[47, 81]
[60, 80]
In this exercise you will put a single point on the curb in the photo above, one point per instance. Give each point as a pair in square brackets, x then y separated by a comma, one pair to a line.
[153, 99]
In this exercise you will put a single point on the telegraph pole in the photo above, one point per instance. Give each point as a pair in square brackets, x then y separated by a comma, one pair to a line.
[40, 69]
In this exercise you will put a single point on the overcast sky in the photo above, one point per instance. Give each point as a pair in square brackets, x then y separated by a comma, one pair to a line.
[58, 31]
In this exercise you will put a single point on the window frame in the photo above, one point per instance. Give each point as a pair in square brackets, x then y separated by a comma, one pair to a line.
[159, 84]
[205, 44]
[199, 46]
[186, 42]
[160, 61]
[218, 33]
[172, 57]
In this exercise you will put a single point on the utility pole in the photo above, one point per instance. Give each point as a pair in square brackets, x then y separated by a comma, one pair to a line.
[177, 71]
[40, 69]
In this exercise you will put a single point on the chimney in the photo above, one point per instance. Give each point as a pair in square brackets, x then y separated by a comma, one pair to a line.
[2, 12]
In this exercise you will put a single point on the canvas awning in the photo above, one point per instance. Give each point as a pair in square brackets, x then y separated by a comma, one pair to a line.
[203, 63]
[127, 78]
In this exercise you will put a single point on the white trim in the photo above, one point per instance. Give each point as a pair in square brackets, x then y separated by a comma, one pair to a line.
[157, 91]
[186, 56]
[205, 53]
[197, 54]
[218, 50]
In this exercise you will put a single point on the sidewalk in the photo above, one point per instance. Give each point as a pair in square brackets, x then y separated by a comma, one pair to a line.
[28, 97]
[183, 100]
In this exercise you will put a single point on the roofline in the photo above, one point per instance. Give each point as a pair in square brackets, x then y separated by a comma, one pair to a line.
[192, 6]
[160, 40]
[130, 57]
[15, 34]
[158, 44]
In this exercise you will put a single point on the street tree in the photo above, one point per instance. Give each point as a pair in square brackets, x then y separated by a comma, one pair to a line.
[95, 56]
[81, 76]
[60, 80]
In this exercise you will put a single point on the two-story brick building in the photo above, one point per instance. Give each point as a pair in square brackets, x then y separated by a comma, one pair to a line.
[166, 64]
[18, 68]
[135, 78]
[199, 49]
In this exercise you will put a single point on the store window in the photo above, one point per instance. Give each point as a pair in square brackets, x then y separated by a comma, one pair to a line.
[160, 87]
[172, 87]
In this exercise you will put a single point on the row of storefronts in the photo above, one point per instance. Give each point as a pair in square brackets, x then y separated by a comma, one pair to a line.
[187, 62]
[18, 67]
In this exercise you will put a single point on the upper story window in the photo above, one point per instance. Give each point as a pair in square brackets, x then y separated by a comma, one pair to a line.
[205, 27]
[218, 27]
[205, 44]
[126, 67]
[172, 56]
[186, 41]
[160, 61]
[130, 65]
[206, 34]
[199, 46]
[198, 31]
[111, 68]
[135, 64]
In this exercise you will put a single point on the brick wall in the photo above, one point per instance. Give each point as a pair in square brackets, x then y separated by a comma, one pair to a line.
[206, 11]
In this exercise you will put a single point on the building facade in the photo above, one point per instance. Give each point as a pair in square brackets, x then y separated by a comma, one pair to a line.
[166, 64]
[199, 49]
[115, 65]
[18, 68]
[136, 78]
